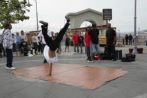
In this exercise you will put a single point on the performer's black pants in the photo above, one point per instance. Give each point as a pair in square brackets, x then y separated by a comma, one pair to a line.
[54, 44]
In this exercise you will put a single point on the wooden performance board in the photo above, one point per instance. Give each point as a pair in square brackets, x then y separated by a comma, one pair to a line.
[71, 74]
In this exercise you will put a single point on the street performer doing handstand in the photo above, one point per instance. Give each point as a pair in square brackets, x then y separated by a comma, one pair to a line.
[49, 52]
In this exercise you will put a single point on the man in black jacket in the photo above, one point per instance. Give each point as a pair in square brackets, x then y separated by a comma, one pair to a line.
[110, 42]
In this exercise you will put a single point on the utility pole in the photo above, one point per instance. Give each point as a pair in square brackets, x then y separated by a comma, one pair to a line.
[135, 25]
[37, 26]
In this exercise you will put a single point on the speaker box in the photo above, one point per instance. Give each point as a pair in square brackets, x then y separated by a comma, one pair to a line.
[129, 58]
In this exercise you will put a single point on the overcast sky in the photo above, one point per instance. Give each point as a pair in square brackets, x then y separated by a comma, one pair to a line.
[54, 11]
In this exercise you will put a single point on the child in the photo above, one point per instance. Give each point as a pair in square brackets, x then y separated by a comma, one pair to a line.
[52, 44]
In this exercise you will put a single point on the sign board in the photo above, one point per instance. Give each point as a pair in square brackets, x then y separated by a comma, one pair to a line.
[107, 14]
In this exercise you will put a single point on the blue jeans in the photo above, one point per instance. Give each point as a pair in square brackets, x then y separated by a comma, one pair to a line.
[81, 47]
[76, 48]
[9, 57]
[94, 48]
[88, 53]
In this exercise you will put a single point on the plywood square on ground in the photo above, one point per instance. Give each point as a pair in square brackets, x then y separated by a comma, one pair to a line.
[71, 74]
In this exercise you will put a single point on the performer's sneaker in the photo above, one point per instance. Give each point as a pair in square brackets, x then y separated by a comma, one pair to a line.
[67, 19]
[12, 68]
[44, 23]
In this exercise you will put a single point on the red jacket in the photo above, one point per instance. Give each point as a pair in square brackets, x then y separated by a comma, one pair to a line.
[87, 40]
[75, 38]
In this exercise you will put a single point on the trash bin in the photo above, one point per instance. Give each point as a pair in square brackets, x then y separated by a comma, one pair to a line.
[140, 50]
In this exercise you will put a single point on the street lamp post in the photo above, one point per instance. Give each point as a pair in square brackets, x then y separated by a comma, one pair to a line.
[37, 15]
[135, 25]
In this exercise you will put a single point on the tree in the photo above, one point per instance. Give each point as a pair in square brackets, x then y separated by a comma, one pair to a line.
[13, 11]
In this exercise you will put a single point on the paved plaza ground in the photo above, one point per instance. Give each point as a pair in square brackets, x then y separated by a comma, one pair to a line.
[131, 85]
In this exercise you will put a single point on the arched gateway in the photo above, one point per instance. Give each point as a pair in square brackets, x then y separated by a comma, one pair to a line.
[90, 15]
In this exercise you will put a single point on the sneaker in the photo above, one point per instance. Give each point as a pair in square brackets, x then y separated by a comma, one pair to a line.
[44, 23]
[30, 55]
[90, 61]
[12, 68]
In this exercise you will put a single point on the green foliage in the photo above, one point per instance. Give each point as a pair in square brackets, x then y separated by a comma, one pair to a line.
[13, 11]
